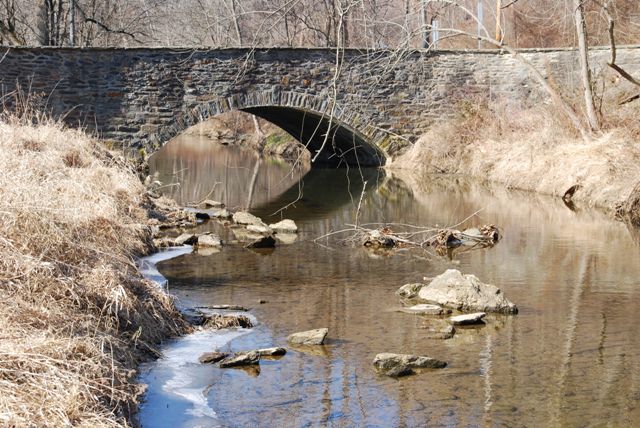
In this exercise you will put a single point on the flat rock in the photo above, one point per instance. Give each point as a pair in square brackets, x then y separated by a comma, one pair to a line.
[311, 337]
[399, 371]
[271, 352]
[439, 331]
[259, 229]
[465, 293]
[387, 361]
[467, 319]
[223, 213]
[186, 239]
[241, 359]
[209, 203]
[409, 291]
[209, 241]
[212, 357]
[262, 242]
[426, 309]
[284, 226]
[242, 217]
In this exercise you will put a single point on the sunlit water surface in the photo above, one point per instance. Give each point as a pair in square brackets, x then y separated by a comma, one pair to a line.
[570, 357]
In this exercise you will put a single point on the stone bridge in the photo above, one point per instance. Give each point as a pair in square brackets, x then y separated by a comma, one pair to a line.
[355, 106]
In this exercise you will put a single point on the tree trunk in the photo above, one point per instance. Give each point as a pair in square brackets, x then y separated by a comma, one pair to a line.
[585, 72]
[236, 22]
[72, 22]
[425, 23]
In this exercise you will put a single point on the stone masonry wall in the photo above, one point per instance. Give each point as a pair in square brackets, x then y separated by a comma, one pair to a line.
[144, 96]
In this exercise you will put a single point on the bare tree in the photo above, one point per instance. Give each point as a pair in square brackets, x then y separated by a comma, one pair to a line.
[585, 71]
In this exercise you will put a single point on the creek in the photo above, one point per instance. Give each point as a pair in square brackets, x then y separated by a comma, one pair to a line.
[570, 357]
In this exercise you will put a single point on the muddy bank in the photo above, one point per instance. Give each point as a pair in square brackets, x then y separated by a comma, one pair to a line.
[529, 151]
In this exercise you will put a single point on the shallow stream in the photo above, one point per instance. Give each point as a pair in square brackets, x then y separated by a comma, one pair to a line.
[571, 356]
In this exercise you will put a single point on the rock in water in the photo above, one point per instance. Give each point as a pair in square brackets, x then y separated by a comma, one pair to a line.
[241, 359]
[208, 203]
[271, 352]
[262, 242]
[426, 309]
[259, 229]
[388, 361]
[201, 215]
[287, 238]
[399, 371]
[209, 241]
[379, 239]
[219, 321]
[409, 291]
[186, 239]
[242, 217]
[284, 226]
[222, 213]
[466, 293]
[441, 330]
[468, 319]
[212, 357]
[311, 337]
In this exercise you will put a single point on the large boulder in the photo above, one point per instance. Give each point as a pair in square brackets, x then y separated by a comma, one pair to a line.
[311, 337]
[387, 361]
[466, 293]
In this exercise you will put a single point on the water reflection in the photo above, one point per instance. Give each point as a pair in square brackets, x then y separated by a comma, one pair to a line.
[570, 358]
[193, 168]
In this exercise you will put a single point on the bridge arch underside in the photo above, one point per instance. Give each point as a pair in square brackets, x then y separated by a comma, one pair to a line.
[330, 142]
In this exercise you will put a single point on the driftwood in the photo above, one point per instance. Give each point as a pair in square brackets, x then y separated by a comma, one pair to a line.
[396, 236]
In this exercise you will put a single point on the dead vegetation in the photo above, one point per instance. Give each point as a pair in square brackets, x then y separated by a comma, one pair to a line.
[405, 236]
[76, 315]
[220, 321]
[532, 150]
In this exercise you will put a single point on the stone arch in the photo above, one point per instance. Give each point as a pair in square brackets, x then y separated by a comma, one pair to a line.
[335, 138]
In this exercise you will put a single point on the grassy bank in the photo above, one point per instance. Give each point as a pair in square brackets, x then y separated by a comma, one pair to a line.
[531, 150]
[76, 315]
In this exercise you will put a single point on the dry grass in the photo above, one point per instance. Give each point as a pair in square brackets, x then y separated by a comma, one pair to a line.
[76, 316]
[530, 150]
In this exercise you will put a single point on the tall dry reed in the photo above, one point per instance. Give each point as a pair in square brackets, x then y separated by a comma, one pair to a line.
[76, 316]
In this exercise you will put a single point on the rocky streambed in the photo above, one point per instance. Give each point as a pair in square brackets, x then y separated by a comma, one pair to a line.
[571, 276]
